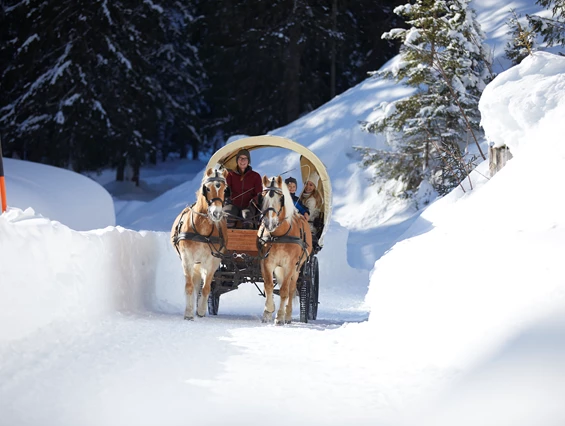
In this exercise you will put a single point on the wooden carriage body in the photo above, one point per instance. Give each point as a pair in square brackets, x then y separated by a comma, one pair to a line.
[241, 263]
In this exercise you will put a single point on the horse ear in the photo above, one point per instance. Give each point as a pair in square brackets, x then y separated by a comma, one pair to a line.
[265, 181]
[279, 181]
[225, 173]
[209, 172]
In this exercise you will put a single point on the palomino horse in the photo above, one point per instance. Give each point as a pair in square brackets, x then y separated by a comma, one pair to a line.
[199, 235]
[285, 242]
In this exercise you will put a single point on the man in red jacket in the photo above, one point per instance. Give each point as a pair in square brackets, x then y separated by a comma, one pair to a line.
[245, 185]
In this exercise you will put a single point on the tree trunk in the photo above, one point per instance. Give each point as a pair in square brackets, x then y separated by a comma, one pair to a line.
[136, 168]
[183, 152]
[292, 75]
[120, 169]
[333, 54]
[497, 158]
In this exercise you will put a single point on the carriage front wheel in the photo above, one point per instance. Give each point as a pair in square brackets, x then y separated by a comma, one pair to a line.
[213, 300]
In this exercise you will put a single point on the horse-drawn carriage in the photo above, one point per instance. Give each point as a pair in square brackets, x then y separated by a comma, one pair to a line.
[246, 254]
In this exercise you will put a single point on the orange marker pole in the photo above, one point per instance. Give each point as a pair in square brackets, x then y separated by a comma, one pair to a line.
[2, 182]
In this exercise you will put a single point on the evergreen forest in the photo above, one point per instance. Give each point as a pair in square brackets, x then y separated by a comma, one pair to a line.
[92, 84]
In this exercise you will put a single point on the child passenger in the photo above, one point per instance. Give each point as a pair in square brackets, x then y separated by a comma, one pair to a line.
[302, 209]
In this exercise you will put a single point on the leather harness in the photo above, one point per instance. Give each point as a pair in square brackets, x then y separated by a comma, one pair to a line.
[281, 239]
[209, 239]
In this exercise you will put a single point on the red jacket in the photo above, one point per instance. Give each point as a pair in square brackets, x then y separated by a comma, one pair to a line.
[244, 187]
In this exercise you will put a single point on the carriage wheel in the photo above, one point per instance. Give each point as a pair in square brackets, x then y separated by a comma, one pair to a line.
[213, 301]
[314, 288]
[305, 292]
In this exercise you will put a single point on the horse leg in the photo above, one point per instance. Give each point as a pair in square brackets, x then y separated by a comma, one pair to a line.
[283, 279]
[189, 293]
[207, 275]
[269, 285]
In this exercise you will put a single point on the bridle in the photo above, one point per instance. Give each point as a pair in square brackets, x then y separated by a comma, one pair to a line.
[271, 190]
[205, 189]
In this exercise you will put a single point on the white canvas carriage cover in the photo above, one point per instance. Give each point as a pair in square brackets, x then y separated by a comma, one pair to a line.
[225, 157]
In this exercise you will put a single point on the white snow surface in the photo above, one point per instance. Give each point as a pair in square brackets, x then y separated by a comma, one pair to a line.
[450, 315]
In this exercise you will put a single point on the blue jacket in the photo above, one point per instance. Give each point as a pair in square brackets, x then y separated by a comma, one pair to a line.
[301, 207]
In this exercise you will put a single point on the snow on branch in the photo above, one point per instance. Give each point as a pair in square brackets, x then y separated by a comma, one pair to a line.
[153, 6]
[52, 74]
[27, 43]
[107, 12]
[34, 122]
[119, 54]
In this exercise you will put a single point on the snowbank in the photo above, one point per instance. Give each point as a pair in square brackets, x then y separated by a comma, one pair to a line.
[58, 194]
[521, 253]
[50, 273]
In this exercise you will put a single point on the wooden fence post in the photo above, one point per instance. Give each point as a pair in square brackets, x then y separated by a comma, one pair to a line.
[497, 158]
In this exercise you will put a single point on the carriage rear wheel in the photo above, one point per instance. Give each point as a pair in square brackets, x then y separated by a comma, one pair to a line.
[305, 293]
[309, 290]
[213, 300]
[314, 288]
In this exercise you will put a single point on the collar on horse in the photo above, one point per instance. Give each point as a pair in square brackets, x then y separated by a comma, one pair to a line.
[209, 239]
[282, 239]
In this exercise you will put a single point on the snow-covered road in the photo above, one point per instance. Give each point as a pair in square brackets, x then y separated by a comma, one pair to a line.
[159, 369]
[154, 368]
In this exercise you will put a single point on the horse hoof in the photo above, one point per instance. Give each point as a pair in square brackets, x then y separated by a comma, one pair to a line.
[188, 318]
[288, 321]
[200, 316]
[267, 317]
[277, 322]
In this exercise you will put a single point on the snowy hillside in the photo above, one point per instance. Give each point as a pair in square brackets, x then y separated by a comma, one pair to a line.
[460, 322]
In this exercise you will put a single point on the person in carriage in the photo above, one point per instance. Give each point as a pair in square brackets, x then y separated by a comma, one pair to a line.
[291, 183]
[312, 200]
[245, 185]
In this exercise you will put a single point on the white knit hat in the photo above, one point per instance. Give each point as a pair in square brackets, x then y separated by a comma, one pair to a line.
[314, 178]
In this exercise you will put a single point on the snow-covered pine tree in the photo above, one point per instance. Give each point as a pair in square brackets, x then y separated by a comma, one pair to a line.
[551, 29]
[81, 81]
[444, 59]
[180, 74]
[522, 39]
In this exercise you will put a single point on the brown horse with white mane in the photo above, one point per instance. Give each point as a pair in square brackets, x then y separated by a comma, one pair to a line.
[199, 234]
[285, 242]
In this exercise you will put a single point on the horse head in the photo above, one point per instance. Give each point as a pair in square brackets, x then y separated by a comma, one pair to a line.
[214, 188]
[276, 205]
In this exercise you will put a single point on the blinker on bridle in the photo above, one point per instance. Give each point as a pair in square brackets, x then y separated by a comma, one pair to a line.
[272, 190]
[205, 190]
